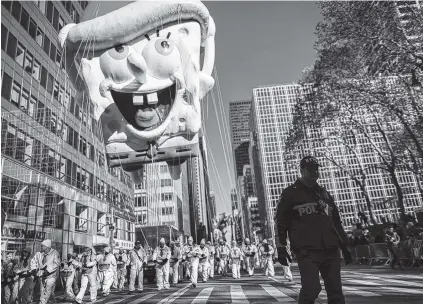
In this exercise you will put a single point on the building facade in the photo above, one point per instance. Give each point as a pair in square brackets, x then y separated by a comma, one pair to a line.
[55, 180]
[275, 168]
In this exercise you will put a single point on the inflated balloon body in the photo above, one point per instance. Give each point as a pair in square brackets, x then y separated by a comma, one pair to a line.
[146, 66]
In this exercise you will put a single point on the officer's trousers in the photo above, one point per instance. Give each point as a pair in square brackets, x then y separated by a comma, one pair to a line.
[48, 285]
[211, 268]
[194, 271]
[310, 263]
[107, 281]
[69, 286]
[174, 271]
[203, 268]
[249, 263]
[162, 276]
[236, 268]
[85, 279]
[136, 272]
[121, 276]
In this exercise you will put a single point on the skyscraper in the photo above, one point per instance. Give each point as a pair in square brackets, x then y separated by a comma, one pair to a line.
[55, 180]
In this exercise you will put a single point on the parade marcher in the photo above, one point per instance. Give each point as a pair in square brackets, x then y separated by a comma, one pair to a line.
[392, 240]
[50, 267]
[108, 270]
[100, 274]
[138, 258]
[236, 256]
[68, 270]
[212, 253]
[26, 280]
[175, 257]
[266, 253]
[222, 258]
[191, 255]
[122, 261]
[11, 277]
[203, 260]
[250, 253]
[88, 275]
[308, 215]
[161, 257]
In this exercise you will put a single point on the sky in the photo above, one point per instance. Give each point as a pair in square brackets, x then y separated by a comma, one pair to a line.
[257, 43]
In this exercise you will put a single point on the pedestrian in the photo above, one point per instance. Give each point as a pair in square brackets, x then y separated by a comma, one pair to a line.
[50, 267]
[211, 257]
[122, 260]
[175, 257]
[236, 255]
[392, 240]
[204, 260]
[308, 214]
[250, 255]
[161, 257]
[191, 255]
[108, 267]
[11, 276]
[26, 280]
[267, 251]
[88, 275]
[138, 259]
[222, 258]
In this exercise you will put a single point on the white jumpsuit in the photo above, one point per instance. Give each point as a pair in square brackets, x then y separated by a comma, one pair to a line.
[121, 270]
[175, 256]
[203, 262]
[223, 254]
[212, 253]
[137, 259]
[250, 254]
[50, 275]
[191, 255]
[162, 267]
[236, 256]
[267, 259]
[70, 266]
[88, 276]
[109, 274]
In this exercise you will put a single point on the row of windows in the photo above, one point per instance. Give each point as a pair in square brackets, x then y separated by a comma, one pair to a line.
[140, 201]
[22, 147]
[167, 211]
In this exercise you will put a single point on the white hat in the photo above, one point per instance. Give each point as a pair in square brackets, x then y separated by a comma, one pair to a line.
[46, 243]
[162, 241]
[203, 242]
[190, 238]
[107, 249]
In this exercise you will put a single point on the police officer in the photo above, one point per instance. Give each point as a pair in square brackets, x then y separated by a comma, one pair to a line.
[308, 214]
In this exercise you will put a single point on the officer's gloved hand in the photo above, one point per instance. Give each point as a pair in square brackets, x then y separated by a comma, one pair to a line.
[283, 256]
[346, 252]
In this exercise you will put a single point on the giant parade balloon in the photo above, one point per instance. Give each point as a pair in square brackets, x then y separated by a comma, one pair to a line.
[146, 66]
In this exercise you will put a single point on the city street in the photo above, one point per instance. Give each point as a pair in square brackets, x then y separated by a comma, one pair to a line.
[361, 286]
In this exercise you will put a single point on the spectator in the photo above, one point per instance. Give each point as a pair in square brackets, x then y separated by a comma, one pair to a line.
[366, 238]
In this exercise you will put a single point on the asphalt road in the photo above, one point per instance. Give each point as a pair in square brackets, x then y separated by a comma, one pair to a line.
[361, 285]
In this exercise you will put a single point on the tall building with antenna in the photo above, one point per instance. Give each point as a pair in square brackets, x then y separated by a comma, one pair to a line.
[55, 180]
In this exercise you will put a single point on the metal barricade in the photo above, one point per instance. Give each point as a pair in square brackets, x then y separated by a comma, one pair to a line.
[416, 252]
[379, 252]
[363, 254]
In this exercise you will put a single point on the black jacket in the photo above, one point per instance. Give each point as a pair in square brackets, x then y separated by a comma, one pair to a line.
[308, 226]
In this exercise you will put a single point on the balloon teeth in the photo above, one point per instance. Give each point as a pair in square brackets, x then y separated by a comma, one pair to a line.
[152, 98]
[141, 99]
[138, 100]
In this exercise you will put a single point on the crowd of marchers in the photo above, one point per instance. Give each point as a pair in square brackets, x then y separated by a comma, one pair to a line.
[105, 272]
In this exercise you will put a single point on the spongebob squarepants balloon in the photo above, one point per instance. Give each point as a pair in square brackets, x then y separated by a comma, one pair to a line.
[146, 66]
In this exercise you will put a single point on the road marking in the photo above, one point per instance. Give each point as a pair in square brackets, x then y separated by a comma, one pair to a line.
[237, 295]
[144, 298]
[277, 294]
[359, 292]
[404, 290]
[175, 295]
[365, 283]
[120, 299]
[414, 284]
[203, 296]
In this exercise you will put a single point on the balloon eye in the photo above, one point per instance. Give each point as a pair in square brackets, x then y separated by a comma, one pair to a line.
[119, 52]
[164, 46]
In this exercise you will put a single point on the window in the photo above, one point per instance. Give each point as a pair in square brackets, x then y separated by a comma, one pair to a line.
[56, 90]
[39, 117]
[58, 58]
[24, 101]
[12, 43]
[83, 145]
[32, 29]
[16, 10]
[101, 223]
[39, 37]
[53, 210]
[43, 80]
[42, 6]
[4, 32]
[10, 141]
[53, 52]
[20, 146]
[6, 86]
[20, 55]
[166, 182]
[25, 19]
[49, 12]
[75, 139]
[6, 5]
[56, 19]
[46, 46]
[167, 211]
[36, 69]
[32, 105]
[50, 81]
[16, 91]
[28, 62]
[166, 196]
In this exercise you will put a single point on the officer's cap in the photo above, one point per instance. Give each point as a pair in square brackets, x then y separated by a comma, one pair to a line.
[309, 161]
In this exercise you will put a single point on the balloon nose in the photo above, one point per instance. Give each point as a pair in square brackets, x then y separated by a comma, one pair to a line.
[138, 66]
